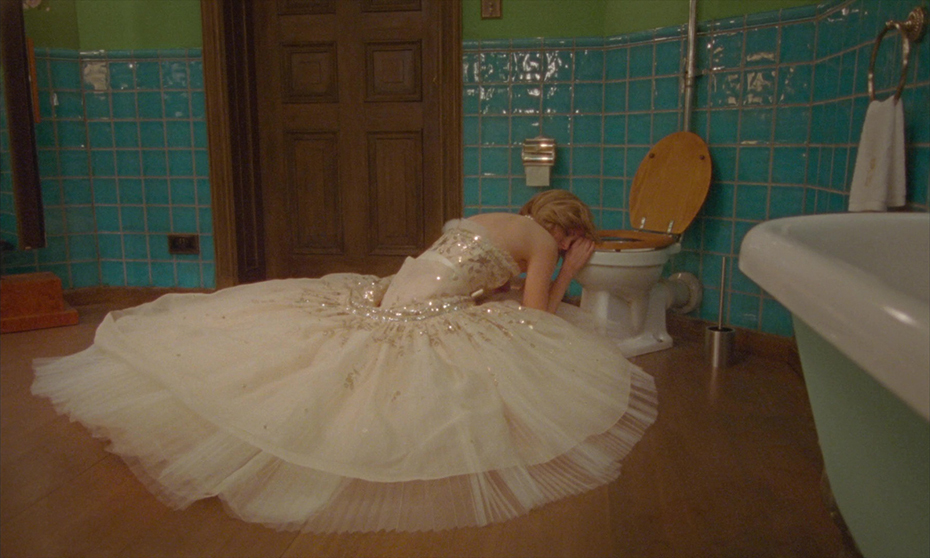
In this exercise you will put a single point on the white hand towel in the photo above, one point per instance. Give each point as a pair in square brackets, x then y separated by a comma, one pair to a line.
[878, 180]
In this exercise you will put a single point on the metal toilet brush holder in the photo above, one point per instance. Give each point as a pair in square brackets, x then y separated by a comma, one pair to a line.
[719, 339]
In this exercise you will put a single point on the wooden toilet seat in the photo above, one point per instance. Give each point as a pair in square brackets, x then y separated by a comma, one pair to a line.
[667, 193]
[616, 240]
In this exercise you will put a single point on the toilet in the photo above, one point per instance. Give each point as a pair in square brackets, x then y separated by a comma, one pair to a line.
[622, 284]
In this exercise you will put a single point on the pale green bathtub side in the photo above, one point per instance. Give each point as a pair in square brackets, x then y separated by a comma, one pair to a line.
[875, 448]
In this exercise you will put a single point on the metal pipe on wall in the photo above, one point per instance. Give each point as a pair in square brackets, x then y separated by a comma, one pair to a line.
[690, 65]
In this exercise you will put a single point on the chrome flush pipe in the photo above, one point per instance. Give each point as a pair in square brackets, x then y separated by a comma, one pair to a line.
[690, 65]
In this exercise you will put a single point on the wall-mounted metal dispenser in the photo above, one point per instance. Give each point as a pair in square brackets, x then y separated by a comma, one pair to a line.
[538, 158]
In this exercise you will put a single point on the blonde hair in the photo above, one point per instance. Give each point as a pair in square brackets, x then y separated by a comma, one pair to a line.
[561, 208]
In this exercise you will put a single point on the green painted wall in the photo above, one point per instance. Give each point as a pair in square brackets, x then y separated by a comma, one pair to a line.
[596, 18]
[115, 24]
[140, 24]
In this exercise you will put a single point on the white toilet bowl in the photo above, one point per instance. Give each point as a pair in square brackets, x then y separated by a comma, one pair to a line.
[626, 294]
[622, 284]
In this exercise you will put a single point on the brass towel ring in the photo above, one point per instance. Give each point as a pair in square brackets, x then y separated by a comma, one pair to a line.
[911, 30]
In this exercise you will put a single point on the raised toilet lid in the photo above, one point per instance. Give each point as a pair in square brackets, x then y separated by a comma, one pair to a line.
[671, 184]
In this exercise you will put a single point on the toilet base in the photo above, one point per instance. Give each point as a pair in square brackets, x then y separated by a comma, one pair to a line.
[645, 343]
[641, 328]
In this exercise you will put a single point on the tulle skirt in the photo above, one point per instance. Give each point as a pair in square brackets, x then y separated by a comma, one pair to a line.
[303, 406]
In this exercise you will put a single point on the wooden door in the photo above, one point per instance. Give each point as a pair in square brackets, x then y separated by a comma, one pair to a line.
[353, 113]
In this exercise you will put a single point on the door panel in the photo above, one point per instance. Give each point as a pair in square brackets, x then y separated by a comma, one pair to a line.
[351, 126]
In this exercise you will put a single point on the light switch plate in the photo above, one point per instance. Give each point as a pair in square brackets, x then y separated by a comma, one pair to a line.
[491, 9]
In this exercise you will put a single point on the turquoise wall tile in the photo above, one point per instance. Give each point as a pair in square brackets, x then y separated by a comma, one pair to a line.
[669, 56]
[792, 124]
[743, 310]
[183, 191]
[589, 98]
[154, 163]
[727, 50]
[113, 273]
[152, 133]
[73, 163]
[177, 104]
[82, 247]
[158, 248]
[761, 46]
[158, 219]
[666, 94]
[156, 191]
[615, 97]
[724, 127]
[77, 191]
[97, 106]
[110, 246]
[588, 129]
[136, 246]
[614, 165]
[122, 75]
[559, 66]
[752, 202]
[128, 163]
[84, 274]
[138, 274]
[72, 134]
[163, 274]
[105, 191]
[70, 105]
[797, 42]
[589, 65]
[132, 218]
[124, 105]
[525, 99]
[130, 191]
[495, 191]
[639, 95]
[184, 220]
[126, 134]
[65, 74]
[616, 64]
[642, 63]
[789, 165]
[148, 75]
[108, 219]
[794, 84]
[754, 164]
[523, 127]
[615, 129]
[189, 274]
[150, 105]
[100, 134]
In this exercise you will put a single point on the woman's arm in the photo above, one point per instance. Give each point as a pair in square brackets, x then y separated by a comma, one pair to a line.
[574, 259]
[540, 291]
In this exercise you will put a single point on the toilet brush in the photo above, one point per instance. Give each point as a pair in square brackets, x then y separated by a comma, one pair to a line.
[718, 340]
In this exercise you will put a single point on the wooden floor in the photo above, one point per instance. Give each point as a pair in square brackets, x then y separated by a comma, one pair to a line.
[730, 469]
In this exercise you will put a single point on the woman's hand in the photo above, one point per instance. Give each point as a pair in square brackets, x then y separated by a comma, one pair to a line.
[577, 255]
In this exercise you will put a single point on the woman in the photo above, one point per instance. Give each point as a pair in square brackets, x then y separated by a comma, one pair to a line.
[351, 403]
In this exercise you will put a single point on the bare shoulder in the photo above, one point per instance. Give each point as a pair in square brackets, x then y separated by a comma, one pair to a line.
[523, 237]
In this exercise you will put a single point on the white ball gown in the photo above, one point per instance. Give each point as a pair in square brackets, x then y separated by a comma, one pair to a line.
[353, 403]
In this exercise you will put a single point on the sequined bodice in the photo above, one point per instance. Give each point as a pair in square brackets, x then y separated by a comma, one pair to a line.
[463, 262]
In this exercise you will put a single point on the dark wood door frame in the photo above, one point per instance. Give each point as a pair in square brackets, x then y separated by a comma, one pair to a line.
[232, 131]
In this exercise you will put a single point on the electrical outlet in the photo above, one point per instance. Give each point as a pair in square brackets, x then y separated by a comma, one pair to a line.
[491, 9]
[183, 244]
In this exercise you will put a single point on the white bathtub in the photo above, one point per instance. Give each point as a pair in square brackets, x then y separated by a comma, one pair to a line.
[858, 287]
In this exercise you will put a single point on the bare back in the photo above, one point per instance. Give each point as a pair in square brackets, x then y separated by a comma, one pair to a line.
[533, 248]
